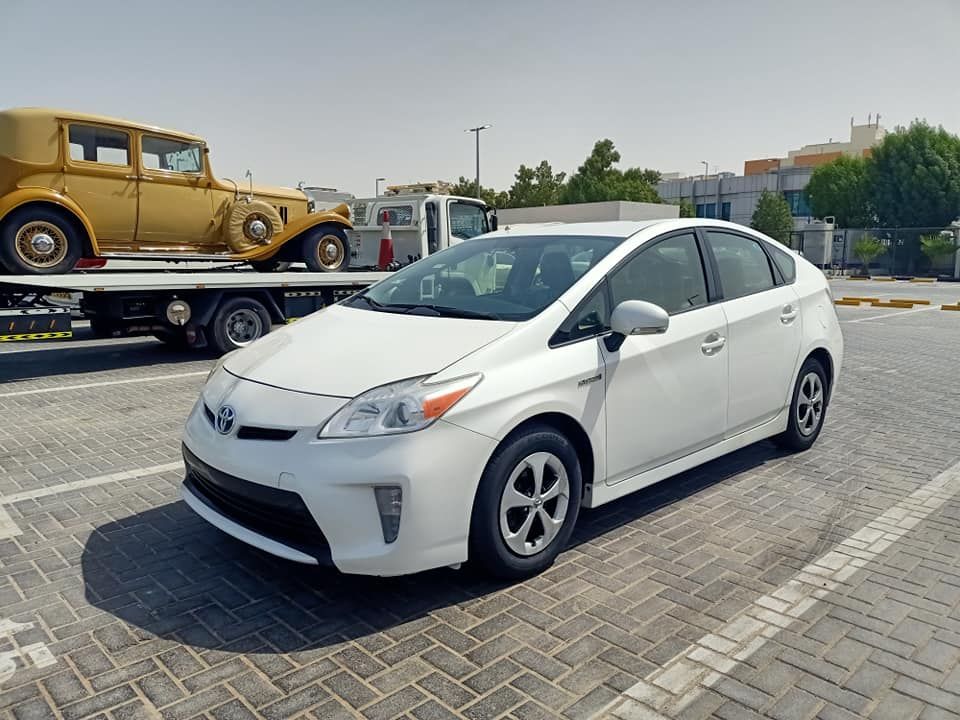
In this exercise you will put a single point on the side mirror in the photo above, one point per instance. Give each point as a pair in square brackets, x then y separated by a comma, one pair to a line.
[635, 317]
[494, 223]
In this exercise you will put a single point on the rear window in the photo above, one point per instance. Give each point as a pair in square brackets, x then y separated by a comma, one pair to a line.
[785, 264]
[89, 143]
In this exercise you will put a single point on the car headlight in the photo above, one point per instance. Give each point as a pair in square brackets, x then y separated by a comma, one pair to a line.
[399, 407]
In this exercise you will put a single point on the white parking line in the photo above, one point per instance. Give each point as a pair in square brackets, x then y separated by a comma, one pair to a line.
[104, 383]
[671, 688]
[9, 528]
[893, 314]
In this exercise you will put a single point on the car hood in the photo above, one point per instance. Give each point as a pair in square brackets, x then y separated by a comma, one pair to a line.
[343, 351]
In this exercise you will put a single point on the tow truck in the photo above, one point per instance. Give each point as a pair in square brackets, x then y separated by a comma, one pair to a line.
[230, 307]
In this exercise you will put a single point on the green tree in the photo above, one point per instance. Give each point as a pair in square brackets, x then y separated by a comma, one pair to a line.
[597, 179]
[937, 247]
[839, 188]
[687, 210]
[533, 187]
[914, 177]
[468, 188]
[772, 217]
[867, 248]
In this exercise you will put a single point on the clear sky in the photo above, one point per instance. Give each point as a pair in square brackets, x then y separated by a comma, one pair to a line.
[337, 94]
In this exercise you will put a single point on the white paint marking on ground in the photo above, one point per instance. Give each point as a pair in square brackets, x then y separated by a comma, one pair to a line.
[893, 314]
[152, 378]
[669, 690]
[8, 528]
[37, 653]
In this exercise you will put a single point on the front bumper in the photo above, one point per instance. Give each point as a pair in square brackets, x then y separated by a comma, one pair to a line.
[313, 501]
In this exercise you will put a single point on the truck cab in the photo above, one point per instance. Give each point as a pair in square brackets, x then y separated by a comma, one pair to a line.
[420, 224]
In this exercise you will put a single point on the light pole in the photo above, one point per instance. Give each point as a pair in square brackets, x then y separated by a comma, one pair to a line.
[706, 168]
[476, 131]
[376, 193]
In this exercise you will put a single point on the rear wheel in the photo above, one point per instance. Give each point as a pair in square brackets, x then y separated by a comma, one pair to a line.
[39, 241]
[239, 322]
[526, 505]
[808, 408]
[326, 249]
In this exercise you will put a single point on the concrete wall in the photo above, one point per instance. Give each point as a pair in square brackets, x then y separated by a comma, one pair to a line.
[588, 212]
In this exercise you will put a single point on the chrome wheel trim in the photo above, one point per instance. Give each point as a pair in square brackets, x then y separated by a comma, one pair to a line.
[330, 251]
[534, 504]
[40, 244]
[809, 404]
[244, 326]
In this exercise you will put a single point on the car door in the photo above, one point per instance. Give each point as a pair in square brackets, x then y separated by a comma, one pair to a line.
[763, 329]
[666, 395]
[101, 179]
[177, 204]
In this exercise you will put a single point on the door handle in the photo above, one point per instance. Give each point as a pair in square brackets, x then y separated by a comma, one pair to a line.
[131, 177]
[712, 344]
[788, 314]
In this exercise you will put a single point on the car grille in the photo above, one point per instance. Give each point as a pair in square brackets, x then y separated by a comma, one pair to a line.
[252, 432]
[279, 515]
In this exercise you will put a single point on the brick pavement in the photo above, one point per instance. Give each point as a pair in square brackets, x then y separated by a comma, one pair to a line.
[149, 612]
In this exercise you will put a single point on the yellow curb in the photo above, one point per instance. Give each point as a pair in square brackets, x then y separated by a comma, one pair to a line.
[884, 279]
[923, 280]
[910, 300]
[860, 299]
[847, 301]
[955, 308]
[893, 304]
[857, 277]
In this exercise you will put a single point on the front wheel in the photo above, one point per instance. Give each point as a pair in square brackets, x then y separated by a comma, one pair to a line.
[38, 241]
[808, 408]
[326, 249]
[526, 505]
[239, 322]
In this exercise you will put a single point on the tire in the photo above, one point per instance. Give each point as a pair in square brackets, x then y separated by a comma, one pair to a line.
[513, 464]
[326, 249]
[39, 241]
[237, 323]
[271, 265]
[806, 421]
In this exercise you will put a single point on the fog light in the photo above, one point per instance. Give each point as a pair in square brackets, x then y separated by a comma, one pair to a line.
[389, 503]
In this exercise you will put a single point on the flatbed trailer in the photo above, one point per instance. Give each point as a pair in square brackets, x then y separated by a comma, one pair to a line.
[220, 309]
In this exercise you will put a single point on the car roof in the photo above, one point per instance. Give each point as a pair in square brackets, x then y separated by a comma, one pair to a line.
[610, 228]
[41, 114]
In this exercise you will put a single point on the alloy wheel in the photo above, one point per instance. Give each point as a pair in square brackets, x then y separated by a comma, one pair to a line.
[534, 503]
[809, 404]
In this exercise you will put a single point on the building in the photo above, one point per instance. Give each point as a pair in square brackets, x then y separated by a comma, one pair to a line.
[862, 139]
[734, 197]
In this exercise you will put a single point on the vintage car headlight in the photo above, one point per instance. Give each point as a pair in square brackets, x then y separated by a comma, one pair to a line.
[311, 205]
[399, 407]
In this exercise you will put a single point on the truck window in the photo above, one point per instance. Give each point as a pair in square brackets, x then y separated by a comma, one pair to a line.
[398, 215]
[89, 143]
[159, 153]
[467, 220]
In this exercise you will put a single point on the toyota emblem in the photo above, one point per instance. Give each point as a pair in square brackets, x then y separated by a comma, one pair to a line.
[226, 416]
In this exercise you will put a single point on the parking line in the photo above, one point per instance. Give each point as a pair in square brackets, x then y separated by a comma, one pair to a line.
[153, 378]
[9, 528]
[671, 688]
[893, 314]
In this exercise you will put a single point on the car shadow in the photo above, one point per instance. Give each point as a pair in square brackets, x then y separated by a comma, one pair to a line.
[170, 574]
[28, 363]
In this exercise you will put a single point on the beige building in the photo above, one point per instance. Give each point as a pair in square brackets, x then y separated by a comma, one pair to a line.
[862, 139]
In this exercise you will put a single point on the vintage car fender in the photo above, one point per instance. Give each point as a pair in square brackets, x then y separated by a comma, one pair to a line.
[339, 215]
[12, 201]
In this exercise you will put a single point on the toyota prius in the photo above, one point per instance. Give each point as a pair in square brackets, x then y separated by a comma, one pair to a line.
[468, 406]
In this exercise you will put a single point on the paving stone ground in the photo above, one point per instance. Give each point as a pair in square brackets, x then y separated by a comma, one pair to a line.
[117, 602]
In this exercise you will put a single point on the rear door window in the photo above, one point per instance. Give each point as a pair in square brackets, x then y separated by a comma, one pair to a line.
[743, 265]
[91, 143]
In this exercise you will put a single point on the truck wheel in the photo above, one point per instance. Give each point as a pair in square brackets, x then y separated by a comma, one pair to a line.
[326, 249]
[39, 241]
[271, 265]
[238, 323]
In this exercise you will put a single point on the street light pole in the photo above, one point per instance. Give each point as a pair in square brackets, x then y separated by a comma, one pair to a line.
[376, 193]
[476, 131]
[706, 168]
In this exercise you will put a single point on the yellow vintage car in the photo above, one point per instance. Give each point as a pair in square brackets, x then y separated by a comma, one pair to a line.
[76, 186]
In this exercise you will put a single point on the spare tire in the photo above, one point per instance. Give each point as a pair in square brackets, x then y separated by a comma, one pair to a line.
[251, 224]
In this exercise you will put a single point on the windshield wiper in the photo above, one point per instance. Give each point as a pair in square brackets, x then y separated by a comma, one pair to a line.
[372, 303]
[445, 311]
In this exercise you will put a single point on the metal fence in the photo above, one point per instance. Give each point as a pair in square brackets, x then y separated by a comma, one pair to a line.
[833, 250]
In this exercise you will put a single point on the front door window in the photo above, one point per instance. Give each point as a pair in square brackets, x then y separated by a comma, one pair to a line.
[467, 220]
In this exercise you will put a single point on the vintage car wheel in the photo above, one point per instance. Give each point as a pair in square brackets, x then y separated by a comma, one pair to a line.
[326, 249]
[39, 241]
[271, 265]
[238, 323]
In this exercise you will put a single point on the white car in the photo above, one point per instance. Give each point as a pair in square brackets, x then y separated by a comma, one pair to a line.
[469, 405]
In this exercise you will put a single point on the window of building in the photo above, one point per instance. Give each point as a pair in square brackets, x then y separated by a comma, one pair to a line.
[707, 210]
[725, 211]
[99, 145]
[797, 200]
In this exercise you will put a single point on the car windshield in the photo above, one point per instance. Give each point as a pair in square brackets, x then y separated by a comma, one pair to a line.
[502, 278]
